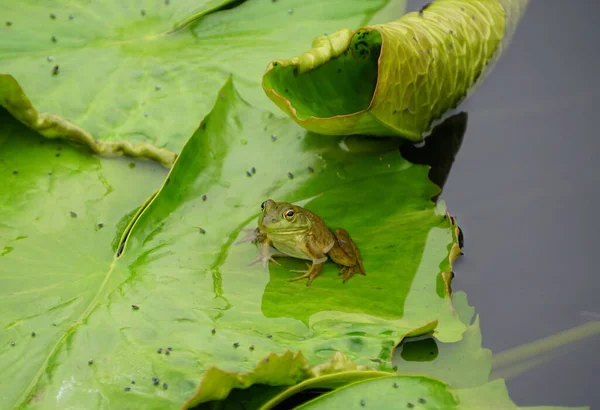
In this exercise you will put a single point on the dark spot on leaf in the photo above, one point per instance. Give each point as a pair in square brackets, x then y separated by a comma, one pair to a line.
[53, 16]
[73, 214]
[146, 114]
[135, 307]
[90, 362]
[9, 23]
[248, 173]
[422, 400]
[167, 181]
[55, 70]
[167, 352]
[49, 172]
[143, 12]
[204, 197]
[71, 17]
[159, 351]
[157, 87]
[127, 388]
[132, 165]
[202, 231]
[269, 336]
[290, 175]
[273, 137]
[213, 331]
[410, 405]
[202, 125]
[311, 169]
[165, 386]
[100, 225]
[33, 334]
[236, 344]
[251, 347]
[362, 403]
[275, 64]
[57, 154]
[16, 171]
[13, 343]
[395, 111]
[54, 39]
[155, 381]
[286, 90]
[395, 385]
[376, 360]
[253, 170]
[133, 382]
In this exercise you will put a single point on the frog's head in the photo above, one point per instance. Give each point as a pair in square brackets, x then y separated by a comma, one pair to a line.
[283, 217]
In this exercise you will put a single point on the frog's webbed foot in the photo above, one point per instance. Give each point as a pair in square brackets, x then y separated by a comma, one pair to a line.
[346, 272]
[311, 273]
[252, 235]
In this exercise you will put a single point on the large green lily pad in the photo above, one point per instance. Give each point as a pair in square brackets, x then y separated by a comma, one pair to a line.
[125, 74]
[187, 281]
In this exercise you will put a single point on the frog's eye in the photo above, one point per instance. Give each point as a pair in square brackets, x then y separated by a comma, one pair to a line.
[288, 214]
[262, 206]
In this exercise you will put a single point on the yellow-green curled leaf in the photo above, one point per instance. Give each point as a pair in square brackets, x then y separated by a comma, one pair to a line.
[394, 79]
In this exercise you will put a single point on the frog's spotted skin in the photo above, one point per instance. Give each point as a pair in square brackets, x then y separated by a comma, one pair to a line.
[296, 232]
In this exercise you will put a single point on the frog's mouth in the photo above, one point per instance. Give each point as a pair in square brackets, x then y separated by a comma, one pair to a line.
[285, 231]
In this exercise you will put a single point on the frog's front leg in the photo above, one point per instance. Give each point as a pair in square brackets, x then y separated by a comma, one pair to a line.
[265, 254]
[312, 272]
[318, 262]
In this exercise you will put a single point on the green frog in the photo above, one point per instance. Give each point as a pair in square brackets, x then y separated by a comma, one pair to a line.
[297, 232]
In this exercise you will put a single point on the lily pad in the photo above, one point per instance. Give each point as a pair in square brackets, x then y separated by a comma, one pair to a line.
[147, 74]
[418, 392]
[394, 79]
[61, 210]
[193, 289]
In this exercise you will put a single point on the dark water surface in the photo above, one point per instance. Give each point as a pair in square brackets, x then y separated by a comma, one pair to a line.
[525, 187]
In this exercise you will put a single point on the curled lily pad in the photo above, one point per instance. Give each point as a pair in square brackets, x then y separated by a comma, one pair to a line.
[393, 79]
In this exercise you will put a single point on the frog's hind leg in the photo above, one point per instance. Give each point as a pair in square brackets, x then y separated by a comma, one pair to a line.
[346, 255]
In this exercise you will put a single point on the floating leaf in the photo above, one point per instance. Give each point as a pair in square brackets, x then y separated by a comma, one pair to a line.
[196, 292]
[393, 79]
[53, 266]
[418, 392]
[127, 75]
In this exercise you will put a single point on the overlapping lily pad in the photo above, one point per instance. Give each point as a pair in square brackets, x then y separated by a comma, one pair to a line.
[181, 269]
[147, 72]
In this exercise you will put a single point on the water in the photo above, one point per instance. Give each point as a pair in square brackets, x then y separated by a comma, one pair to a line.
[524, 187]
